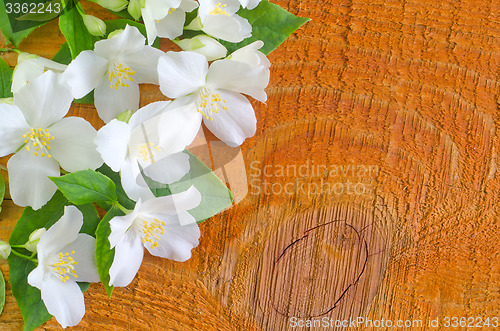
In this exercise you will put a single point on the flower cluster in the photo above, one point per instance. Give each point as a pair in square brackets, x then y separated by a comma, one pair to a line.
[145, 147]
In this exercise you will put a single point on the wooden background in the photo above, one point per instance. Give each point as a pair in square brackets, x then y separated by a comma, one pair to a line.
[409, 89]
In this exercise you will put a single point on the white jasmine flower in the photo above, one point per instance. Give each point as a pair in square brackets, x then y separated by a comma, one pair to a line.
[42, 140]
[161, 225]
[64, 257]
[30, 66]
[128, 147]
[213, 93]
[165, 18]
[114, 69]
[205, 45]
[218, 18]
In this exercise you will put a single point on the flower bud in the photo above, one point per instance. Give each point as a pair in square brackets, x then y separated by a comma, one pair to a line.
[134, 9]
[114, 5]
[33, 239]
[4, 250]
[205, 45]
[95, 26]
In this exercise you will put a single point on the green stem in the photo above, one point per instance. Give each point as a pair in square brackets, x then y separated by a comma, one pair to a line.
[80, 8]
[123, 209]
[10, 50]
[24, 256]
[18, 246]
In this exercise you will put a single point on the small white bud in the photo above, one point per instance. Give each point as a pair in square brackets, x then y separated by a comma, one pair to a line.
[34, 238]
[134, 9]
[205, 45]
[95, 25]
[4, 250]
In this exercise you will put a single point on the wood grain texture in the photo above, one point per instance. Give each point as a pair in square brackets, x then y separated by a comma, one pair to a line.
[400, 98]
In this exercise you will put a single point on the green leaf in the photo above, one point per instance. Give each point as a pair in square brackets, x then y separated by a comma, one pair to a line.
[215, 196]
[63, 56]
[22, 29]
[86, 186]
[270, 23]
[5, 79]
[42, 14]
[123, 199]
[28, 297]
[123, 14]
[114, 25]
[103, 252]
[83, 286]
[2, 292]
[90, 219]
[75, 32]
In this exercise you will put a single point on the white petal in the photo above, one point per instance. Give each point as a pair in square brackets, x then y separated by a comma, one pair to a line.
[179, 125]
[85, 73]
[229, 28]
[73, 145]
[171, 25]
[250, 4]
[29, 185]
[63, 300]
[251, 55]
[84, 247]
[188, 5]
[207, 6]
[181, 73]
[29, 69]
[165, 206]
[129, 253]
[169, 169]
[112, 143]
[239, 77]
[111, 102]
[160, 8]
[44, 100]
[237, 123]
[61, 234]
[25, 72]
[147, 112]
[121, 224]
[177, 241]
[145, 64]
[35, 277]
[150, 24]
[133, 183]
[127, 42]
[12, 127]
